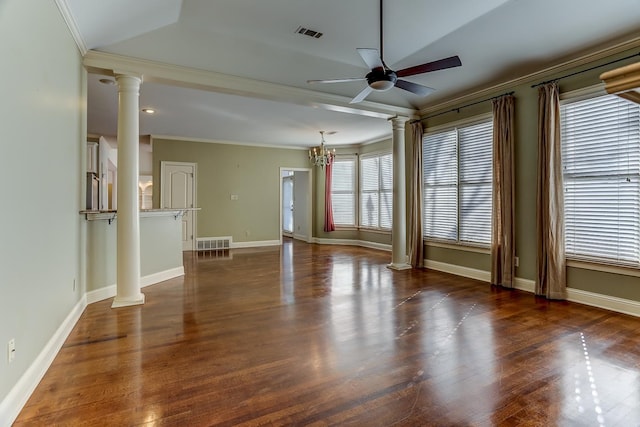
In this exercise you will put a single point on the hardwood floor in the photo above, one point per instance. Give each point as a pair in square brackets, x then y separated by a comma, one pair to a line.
[327, 335]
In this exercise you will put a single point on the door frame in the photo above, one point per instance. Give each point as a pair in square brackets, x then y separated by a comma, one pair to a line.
[282, 208]
[309, 200]
[194, 190]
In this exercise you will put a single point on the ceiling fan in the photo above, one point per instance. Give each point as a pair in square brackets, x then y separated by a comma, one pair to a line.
[382, 78]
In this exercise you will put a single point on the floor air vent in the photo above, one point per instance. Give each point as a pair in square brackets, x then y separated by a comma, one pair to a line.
[213, 243]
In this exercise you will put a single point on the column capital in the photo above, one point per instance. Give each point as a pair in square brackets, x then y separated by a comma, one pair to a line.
[398, 122]
[123, 73]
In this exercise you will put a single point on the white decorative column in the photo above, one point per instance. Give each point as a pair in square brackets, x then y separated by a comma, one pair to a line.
[399, 226]
[128, 220]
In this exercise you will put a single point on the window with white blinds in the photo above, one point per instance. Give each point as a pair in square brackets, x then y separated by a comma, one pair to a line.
[601, 163]
[343, 191]
[457, 174]
[376, 191]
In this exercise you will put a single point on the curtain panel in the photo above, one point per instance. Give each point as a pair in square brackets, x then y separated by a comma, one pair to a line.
[503, 216]
[551, 279]
[416, 245]
[328, 205]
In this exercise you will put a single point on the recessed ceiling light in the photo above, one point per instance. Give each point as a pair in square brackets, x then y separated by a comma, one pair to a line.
[107, 81]
[148, 110]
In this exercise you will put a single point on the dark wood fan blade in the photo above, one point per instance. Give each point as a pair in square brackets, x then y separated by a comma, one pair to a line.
[354, 79]
[362, 95]
[371, 57]
[441, 64]
[419, 90]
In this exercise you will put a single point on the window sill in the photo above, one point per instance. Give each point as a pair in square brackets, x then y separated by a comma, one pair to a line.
[459, 247]
[375, 230]
[346, 228]
[604, 267]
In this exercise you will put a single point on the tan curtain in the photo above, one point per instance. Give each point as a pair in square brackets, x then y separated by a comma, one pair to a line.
[551, 279]
[503, 250]
[416, 245]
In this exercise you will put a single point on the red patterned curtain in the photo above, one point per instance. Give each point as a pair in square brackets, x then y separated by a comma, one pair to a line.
[328, 206]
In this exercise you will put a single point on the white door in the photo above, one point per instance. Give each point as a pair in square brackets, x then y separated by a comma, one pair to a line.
[178, 191]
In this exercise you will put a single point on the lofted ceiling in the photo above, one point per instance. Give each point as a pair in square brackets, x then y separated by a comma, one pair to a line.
[254, 45]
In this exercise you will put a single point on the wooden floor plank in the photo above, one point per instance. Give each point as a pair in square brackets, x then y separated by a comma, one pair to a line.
[326, 335]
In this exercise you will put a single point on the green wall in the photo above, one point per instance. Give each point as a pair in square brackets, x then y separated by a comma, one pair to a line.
[318, 206]
[252, 173]
[43, 137]
[525, 169]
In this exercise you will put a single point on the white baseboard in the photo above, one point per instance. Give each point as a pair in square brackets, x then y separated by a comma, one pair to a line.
[256, 244]
[302, 237]
[526, 285]
[352, 242]
[101, 294]
[458, 270]
[161, 276]
[151, 279]
[12, 404]
[607, 302]
[620, 305]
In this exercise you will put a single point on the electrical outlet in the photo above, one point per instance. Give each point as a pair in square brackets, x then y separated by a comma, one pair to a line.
[517, 261]
[11, 350]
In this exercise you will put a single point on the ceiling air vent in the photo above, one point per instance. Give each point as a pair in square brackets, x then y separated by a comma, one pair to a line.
[308, 32]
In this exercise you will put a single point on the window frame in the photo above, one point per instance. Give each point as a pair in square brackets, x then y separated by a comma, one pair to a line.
[457, 244]
[585, 261]
[363, 157]
[354, 191]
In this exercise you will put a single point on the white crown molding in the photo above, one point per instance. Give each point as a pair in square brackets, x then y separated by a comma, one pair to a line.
[105, 63]
[65, 11]
[529, 78]
[214, 141]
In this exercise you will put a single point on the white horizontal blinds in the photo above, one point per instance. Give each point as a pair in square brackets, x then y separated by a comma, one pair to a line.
[343, 193]
[386, 191]
[601, 161]
[457, 173]
[376, 191]
[369, 180]
[475, 182]
[440, 175]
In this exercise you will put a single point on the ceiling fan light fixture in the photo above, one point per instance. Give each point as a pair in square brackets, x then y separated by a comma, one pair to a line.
[381, 85]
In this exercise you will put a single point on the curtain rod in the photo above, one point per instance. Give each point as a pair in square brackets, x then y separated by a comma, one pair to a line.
[459, 108]
[584, 71]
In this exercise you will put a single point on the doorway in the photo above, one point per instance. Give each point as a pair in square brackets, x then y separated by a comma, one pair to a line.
[295, 203]
[287, 204]
[178, 191]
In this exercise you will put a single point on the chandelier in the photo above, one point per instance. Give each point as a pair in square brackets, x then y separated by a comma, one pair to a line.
[321, 156]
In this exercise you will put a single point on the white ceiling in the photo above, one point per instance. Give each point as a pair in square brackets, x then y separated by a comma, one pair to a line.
[497, 40]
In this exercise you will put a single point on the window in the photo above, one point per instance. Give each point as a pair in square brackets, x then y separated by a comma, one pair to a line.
[601, 162]
[343, 193]
[457, 174]
[376, 191]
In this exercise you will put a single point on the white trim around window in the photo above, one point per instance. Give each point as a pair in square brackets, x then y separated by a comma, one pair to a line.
[601, 163]
[457, 176]
[344, 190]
[375, 201]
